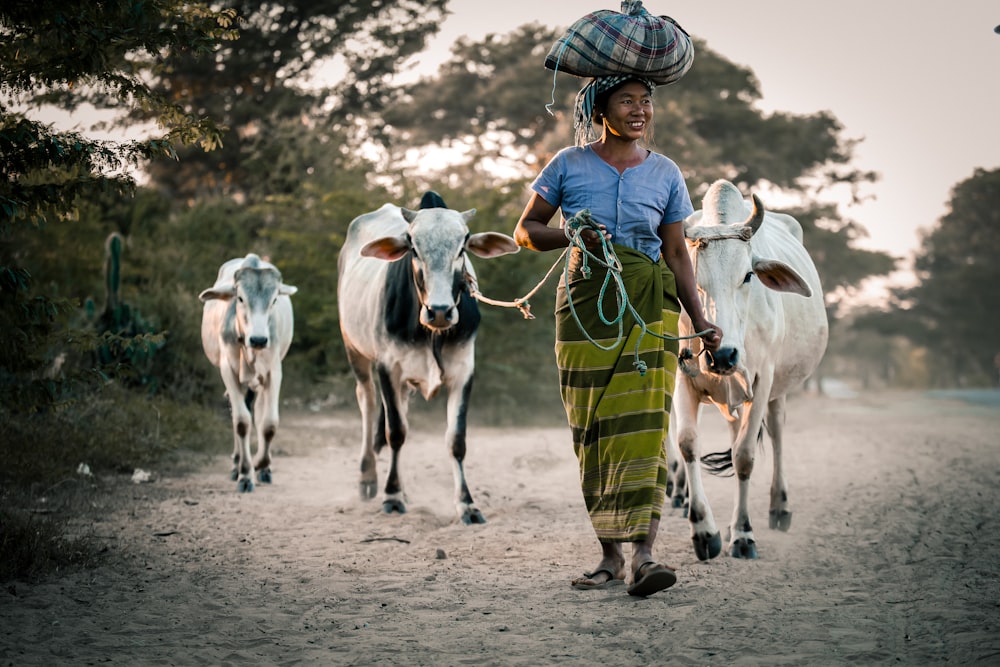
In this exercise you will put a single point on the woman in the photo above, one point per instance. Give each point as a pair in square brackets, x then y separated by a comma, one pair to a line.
[619, 415]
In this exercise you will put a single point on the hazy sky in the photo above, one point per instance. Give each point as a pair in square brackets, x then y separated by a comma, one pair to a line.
[917, 82]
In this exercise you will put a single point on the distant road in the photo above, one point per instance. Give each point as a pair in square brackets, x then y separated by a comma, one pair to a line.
[980, 396]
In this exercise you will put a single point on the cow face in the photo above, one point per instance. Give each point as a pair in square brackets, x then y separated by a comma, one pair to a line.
[254, 292]
[733, 281]
[437, 243]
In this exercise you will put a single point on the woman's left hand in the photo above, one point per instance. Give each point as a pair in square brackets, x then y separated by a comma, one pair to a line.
[712, 338]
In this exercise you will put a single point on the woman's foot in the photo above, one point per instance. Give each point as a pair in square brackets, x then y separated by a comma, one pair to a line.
[651, 577]
[607, 573]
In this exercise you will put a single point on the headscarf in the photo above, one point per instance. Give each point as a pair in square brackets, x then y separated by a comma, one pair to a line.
[583, 111]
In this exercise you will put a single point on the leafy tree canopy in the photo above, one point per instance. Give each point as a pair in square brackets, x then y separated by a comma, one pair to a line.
[327, 64]
[71, 53]
[954, 308]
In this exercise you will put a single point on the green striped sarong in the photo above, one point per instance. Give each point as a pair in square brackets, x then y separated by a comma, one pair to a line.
[619, 417]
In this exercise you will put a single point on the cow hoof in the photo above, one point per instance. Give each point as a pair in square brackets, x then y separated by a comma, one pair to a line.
[244, 485]
[471, 516]
[234, 474]
[264, 476]
[677, 501]
[394, 505]
[780, 519]
[743, 548]
[368, 490]
[707, 546]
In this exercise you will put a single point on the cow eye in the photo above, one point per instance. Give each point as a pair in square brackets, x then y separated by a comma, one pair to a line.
[747, 277]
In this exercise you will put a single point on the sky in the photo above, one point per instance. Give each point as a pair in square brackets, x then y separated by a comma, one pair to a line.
[917, 83]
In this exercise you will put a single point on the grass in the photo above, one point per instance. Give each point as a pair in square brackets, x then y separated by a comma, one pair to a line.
[55, 461]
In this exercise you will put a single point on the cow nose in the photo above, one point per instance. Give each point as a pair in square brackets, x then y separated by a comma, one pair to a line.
[258, 342]
[440, 317]
[723, 360]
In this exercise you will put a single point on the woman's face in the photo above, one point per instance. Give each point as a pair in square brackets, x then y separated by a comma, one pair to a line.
[630, 111]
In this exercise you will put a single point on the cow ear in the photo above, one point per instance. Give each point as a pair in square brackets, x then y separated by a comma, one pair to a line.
[287, 290]
[408, 214]
[389, 248]
[780, 277]
[468, 215]
[692, 220]
[491, 244]
[218, 293]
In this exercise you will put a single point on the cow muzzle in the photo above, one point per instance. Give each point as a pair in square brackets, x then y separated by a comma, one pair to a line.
[723, 361]
[439, 317]
[258, 342]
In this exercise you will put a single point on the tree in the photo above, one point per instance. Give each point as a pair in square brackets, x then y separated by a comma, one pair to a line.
[74, 53]
[954, 308]
[324, 64]
[491, 97]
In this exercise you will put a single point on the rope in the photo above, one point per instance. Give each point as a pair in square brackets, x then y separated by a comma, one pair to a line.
[522, 303]
[574, 229]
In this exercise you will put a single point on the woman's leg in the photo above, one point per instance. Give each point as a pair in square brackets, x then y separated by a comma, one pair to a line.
[612, 566]
[648, 576]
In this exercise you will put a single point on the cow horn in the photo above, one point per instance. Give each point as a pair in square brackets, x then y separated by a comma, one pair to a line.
[756, 216]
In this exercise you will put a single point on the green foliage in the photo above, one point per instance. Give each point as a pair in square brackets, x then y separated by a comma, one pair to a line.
[112, 432]
[32, 544]
[327, 64]
[954, 309]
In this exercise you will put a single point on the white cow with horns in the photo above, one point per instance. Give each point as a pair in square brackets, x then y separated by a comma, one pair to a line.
[246, 329]
[758, 283]
[408, 320]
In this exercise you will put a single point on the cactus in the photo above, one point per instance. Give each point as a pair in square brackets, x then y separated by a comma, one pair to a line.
[119, 322]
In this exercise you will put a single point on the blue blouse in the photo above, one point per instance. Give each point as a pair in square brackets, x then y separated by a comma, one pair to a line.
[631, 204]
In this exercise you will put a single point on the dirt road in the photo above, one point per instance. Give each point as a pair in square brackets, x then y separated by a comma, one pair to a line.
[893, 558]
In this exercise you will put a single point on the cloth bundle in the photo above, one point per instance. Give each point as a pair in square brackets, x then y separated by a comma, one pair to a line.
[630, 42]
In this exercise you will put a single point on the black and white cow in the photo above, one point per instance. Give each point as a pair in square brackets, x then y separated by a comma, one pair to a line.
[246, 329]
[408, 320]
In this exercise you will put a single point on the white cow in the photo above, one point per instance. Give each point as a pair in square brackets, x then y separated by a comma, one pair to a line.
[246, 329]
[758, 283]
[407, 317]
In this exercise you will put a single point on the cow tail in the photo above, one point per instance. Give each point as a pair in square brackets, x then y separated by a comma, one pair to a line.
[719, 463]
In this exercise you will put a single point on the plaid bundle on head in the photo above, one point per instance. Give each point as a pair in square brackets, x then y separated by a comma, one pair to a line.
[633, 41]
[583, 111]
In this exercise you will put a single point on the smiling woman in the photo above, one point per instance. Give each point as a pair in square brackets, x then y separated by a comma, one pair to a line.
[628, 201]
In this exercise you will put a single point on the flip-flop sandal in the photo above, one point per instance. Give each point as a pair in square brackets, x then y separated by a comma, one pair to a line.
[583, 586]
[654, 578]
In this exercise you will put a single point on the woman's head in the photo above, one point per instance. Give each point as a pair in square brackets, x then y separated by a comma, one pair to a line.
[592, 104]
[625, 110]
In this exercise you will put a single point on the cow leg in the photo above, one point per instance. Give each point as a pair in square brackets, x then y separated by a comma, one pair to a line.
[742, 543]
[364, 391]
[395, 401]
[779, 514]
[248, 401]
[242, 426]
[676, 471]
[458, 408]
[266, 418]
[704, 533]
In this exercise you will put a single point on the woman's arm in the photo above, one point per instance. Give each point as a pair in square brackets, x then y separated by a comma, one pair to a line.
[533, 230]
[676, 256]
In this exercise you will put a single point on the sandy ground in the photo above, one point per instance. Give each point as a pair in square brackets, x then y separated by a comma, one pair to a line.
[893, 558]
